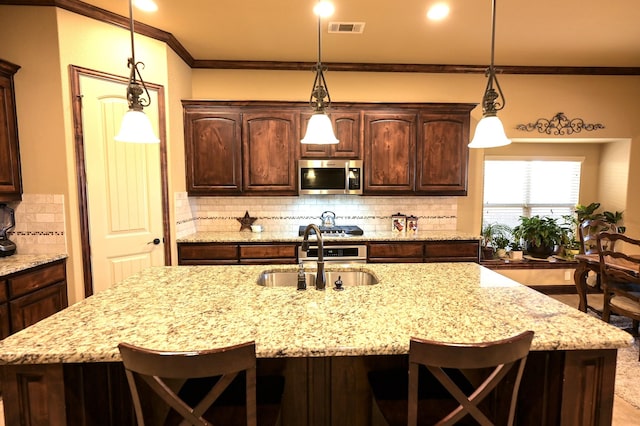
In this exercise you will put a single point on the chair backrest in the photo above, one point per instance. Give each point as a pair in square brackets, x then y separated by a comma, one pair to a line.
[162, 370]
[616, 265]
[495, 359]
[588, 230]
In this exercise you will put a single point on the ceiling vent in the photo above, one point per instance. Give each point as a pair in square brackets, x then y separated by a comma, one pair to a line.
[346, 27]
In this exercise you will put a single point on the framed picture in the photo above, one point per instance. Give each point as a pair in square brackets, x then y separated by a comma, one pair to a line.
[399, 223]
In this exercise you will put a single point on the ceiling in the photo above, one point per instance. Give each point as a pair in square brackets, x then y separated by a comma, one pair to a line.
[567, 33]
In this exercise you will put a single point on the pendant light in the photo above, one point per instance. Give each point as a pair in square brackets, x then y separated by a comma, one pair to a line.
[136, 126]
[490, 131]
[319, 128]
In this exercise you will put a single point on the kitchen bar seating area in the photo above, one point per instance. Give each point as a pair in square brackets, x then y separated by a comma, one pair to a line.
[324, 343]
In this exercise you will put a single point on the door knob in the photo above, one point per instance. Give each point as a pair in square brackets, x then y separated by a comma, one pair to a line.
[155, 241]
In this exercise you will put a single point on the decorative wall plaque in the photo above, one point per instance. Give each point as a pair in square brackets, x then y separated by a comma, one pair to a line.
[559, 125]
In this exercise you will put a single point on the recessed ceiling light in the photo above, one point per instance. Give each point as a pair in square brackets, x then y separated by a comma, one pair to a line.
[146, 5]
[324, 8]
[438, 11]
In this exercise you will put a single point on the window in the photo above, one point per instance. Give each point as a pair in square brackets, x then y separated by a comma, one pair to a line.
[523, 187]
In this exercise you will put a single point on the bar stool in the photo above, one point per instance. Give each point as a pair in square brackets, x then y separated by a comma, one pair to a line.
[448, 383]
[200, 387]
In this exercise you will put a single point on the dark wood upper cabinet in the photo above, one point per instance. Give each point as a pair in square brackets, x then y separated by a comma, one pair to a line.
[346, 125]
[443, 155]
[270, 145]
[252, 147]
[213, 152]
[389, 153]
[10, 172]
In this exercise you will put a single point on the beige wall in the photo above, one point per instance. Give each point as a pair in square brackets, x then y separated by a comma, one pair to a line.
[596, 99]
[178, 88]
[613, 179]
[45, 40]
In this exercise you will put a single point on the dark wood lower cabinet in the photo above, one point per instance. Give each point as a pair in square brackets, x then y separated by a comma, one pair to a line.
[32, 295]
[233, 254]
[286, 253]
[31, 308]
[573, 388]
[261, 254]
[424, 251]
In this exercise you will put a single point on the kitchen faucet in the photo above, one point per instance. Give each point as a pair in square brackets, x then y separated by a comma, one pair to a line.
[321, 280]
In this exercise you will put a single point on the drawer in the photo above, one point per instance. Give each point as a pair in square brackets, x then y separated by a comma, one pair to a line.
[452, 250]
[268, 251]
[395, 250]
[212, 252]
[40, 277]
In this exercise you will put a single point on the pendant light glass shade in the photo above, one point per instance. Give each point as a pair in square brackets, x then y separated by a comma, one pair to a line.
[490, 131]
[489, 134]
[136, 128]
[319, 130]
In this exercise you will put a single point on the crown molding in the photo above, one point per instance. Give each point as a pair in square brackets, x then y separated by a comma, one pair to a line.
[106, 16]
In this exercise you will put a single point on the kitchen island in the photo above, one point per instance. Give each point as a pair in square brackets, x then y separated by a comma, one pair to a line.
[324, 342]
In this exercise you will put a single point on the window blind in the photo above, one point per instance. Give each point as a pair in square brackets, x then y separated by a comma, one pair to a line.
[514, 188]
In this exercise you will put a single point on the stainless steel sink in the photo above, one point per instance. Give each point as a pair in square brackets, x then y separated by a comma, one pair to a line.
[290, 278]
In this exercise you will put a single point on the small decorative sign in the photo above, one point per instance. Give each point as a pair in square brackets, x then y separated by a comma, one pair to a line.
[399, 223]
[412, 225]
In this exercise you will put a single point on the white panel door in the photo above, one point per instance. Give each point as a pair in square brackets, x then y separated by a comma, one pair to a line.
[123, 187]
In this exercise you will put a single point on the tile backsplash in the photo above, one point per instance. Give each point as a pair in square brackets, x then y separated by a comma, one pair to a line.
[40, 224]
[288, 213]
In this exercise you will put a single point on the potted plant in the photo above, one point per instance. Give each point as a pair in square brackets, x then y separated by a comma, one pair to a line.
[614, 218]
[570, 246]
[490, 232]
[500, 243]
[515, 250]
[540, 234]
[587, 212]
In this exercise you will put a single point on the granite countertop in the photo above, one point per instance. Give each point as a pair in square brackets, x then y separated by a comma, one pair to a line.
[20, 262]
[199, 307]
[274, 237]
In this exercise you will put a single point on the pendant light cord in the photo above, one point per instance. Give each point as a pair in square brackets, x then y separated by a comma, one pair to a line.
[320, 91]
[319, 42]
[136, 89]
[489, 104]
[132, 60]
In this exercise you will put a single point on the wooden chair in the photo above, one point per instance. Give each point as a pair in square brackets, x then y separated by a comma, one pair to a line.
[465, 374]
[197, 388]
[620, 274]
[587, 275]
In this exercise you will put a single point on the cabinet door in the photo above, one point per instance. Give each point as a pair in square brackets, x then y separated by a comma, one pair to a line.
[33, 307]
[443, 154]
[5, 329]
[213, 156]
[270, 146]
[389, 147]
[346, 125]
[207, 254]
[10, 175]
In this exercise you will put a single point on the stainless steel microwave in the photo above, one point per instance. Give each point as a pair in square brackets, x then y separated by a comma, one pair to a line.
[330, 176]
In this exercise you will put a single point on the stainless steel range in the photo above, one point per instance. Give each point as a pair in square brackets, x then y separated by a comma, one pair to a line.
[336, 230]
[335, 254]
